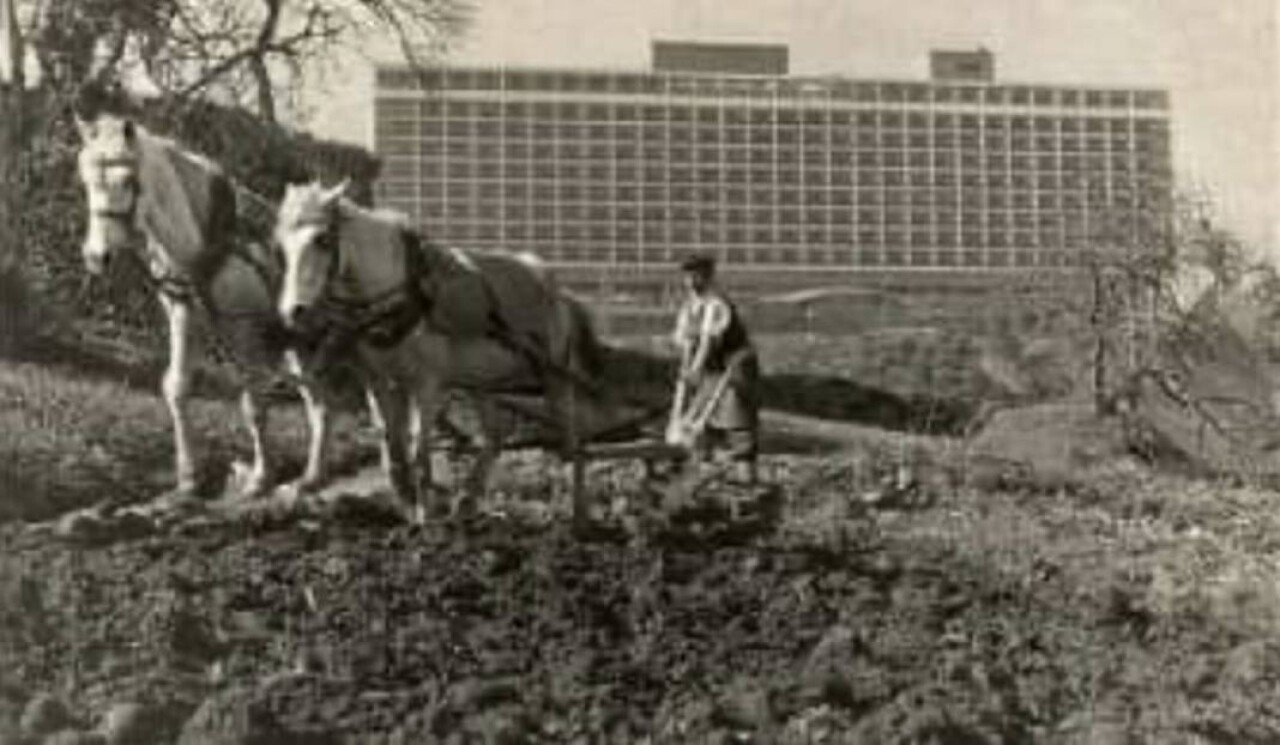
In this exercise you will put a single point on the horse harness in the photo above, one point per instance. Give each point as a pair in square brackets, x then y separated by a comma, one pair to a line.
[383, 320]
[192, 287]
[387, 318]
[128, 215]
[164, 281]
[176, 285]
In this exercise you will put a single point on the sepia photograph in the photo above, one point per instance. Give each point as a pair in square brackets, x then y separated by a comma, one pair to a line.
[770, 372]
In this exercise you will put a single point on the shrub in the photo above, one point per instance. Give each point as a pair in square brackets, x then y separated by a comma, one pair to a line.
[13, 310]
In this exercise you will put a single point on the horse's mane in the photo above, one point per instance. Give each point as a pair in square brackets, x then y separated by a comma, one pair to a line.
[388, 214]
[368, 222]
[380, 223]
[193, 207]
[449, 258]
[170, 145]
[392, 218]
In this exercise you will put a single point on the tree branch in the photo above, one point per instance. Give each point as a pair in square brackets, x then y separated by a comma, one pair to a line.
[217, 71]
[258, 60]
[189, 46]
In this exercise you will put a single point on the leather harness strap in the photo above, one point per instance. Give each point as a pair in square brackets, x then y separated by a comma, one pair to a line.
[385, 319]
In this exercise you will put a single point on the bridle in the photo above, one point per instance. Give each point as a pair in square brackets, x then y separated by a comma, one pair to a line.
[127, 215]
[172, 285]
[382, 319]
[327, 242]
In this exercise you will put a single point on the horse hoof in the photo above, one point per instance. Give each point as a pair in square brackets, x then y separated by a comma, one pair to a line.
[303, 487]
[249, 483]
[292, 495]
[255, 488]
[186, 487]
[179, 500]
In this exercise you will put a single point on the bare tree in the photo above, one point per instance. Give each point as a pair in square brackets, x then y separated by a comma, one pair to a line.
[13, 122]
[1146, 288]
[1104, 297]
[243, 48]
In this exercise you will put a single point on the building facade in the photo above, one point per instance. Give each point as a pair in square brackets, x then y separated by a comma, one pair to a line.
[613, 176]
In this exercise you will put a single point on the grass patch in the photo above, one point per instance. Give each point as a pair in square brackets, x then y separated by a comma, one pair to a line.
[68, 439]
[81, 418]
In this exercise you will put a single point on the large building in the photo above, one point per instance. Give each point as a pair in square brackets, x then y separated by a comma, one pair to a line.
[790, 180]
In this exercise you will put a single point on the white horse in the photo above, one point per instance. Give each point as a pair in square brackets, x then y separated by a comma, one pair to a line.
[422, 317]
[180, 212]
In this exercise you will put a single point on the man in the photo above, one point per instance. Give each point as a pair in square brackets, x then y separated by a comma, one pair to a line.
[719, 370]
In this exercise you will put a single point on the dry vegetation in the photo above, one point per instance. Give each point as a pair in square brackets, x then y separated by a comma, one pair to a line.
[92, 427]
[1122, 605]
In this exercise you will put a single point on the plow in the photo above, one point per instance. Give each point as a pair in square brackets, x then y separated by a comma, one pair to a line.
[617, 422]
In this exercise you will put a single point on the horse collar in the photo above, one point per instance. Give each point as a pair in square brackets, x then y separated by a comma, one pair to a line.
[329, 241]
[384, 319]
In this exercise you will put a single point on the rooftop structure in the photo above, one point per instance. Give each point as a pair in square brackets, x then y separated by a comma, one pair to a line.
[790, 180]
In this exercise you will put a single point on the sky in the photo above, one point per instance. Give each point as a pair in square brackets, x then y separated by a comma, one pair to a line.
[1219, 60]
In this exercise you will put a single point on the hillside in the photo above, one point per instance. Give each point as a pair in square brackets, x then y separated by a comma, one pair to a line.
[877, 594]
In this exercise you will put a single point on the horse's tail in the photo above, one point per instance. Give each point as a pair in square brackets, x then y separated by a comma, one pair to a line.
[588, 349]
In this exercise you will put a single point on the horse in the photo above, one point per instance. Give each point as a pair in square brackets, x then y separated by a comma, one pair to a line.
[180, 213]
[422, 317]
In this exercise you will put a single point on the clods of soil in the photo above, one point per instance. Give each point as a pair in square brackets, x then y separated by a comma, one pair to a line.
[834, 619]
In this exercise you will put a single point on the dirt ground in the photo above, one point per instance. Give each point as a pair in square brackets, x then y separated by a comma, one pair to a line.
[849, 604]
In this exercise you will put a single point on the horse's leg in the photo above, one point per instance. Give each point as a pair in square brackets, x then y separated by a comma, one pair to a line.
[176, 388]
[562, 400]
[419, 444]
[477, 482]
[577, 466]
[429, 400]
[424, 436]
[390, 409]
[571, 412]
[379, 423]
[554, 362]
[315, 398]
[580, 411]
[254, 408]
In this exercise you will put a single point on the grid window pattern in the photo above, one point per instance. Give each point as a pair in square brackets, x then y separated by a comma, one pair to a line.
[638, 168]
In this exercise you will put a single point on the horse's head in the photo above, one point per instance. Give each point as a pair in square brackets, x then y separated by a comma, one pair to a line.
[109, 164]
[308, 214]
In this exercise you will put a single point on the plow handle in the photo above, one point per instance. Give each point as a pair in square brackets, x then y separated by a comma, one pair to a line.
[675, 423]
[685, 428]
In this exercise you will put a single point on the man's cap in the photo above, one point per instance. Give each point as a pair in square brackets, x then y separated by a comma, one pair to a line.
[698, 263]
